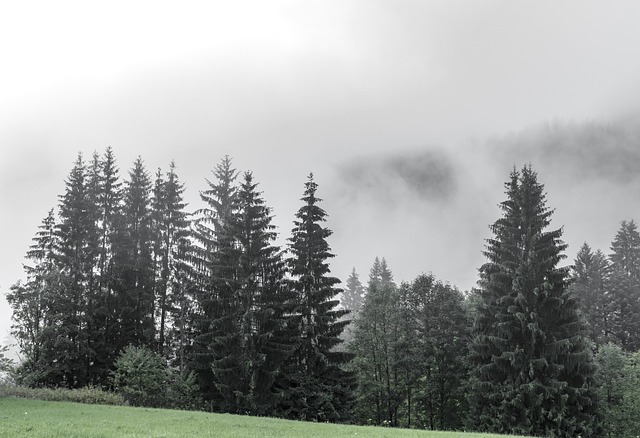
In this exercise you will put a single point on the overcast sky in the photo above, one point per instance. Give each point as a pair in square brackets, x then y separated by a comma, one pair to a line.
[410, 114]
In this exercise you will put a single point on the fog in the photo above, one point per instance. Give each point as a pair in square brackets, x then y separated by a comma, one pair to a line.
[410, 114]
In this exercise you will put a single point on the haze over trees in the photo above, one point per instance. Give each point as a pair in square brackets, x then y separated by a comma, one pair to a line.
[121, 274]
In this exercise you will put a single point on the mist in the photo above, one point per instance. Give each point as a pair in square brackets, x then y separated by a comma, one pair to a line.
[410, 115]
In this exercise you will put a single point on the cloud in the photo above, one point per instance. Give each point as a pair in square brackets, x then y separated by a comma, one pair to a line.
[577, 152]
[425, 175]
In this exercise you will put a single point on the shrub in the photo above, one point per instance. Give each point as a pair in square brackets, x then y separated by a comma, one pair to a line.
[144, 379]
[89, 395]
[140, 376]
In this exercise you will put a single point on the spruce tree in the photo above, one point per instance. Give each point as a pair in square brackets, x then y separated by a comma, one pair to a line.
[31, 301]
[625, 286]
[351, 299]
[133, 264]
[215, 261]
[353, 293]
[65, 340]
[591, 284]
[314, 384]
[260, 310]
[104, 216]
[376, 330]
[533, 365]
[172, 251]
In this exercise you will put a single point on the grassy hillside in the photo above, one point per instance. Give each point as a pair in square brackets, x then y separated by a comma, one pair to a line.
[35, 418]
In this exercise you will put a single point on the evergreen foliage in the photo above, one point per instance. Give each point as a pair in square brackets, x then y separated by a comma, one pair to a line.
[376, 331]
[610, 373]
[30, 301]
[215, 274]
[90, 286]
[625, 286]
[533, 368]
[173, 251]
[133, 263]
[353, 294]
[142, 377]
[123, 288]
[314, 385]
[261, 310]
[591, 284]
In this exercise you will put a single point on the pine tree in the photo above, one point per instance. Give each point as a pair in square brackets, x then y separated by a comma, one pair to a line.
[172, 230]
[376, 330]
[591, 284]
[132, 263]
[625, 286]
[314, 384]
[353, 293]
[259, 311]
[65, 340]
[104, 204]
[30, 301]
[215, 262]
[352, 298]
[533, 365]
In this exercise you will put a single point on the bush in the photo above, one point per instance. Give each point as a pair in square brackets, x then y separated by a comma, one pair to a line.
[140, 376]
[144, 379]
[88, 395]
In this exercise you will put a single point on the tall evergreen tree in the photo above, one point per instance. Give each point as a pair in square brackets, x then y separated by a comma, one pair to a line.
[314, 384]
[104, 196]
[591, 283]
[30, 301]
[351, 299]
[216, 257]
[376, 330]
[353, 294]
[533, 365]
[173, 251]
[65, 338]
[625, 286]
[133, 280]
[247, 336]
[259, 311]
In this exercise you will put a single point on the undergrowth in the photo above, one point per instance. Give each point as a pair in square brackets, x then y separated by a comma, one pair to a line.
[88, 395]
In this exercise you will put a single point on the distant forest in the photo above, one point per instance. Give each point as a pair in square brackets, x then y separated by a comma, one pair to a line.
[127, 291]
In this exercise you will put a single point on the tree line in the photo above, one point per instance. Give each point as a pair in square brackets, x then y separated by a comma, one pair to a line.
[124, 264]
[122, 268]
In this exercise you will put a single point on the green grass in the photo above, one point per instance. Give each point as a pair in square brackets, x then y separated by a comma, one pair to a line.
[36, 418]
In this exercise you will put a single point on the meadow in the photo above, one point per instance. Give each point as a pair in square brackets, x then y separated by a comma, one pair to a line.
[21, 417]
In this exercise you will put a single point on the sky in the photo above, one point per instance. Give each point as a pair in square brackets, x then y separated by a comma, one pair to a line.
[410, 114]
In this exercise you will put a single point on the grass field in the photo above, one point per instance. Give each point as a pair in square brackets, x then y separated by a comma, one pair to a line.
[34, 418]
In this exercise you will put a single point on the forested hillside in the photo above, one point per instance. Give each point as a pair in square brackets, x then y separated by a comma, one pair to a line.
[124, 281]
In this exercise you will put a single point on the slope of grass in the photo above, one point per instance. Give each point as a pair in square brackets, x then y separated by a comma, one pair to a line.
[36, 418]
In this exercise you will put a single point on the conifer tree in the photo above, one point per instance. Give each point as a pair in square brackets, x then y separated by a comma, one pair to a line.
[259, 310]
[533, 366]
[625, 286]
[104, 204]
[215, 261]
[172, 232]
[30, 301]
[376, 330]
[353, 294]
[65, 340]
[591, 284]
[133, 264]
[351, 299]
[314, 384]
